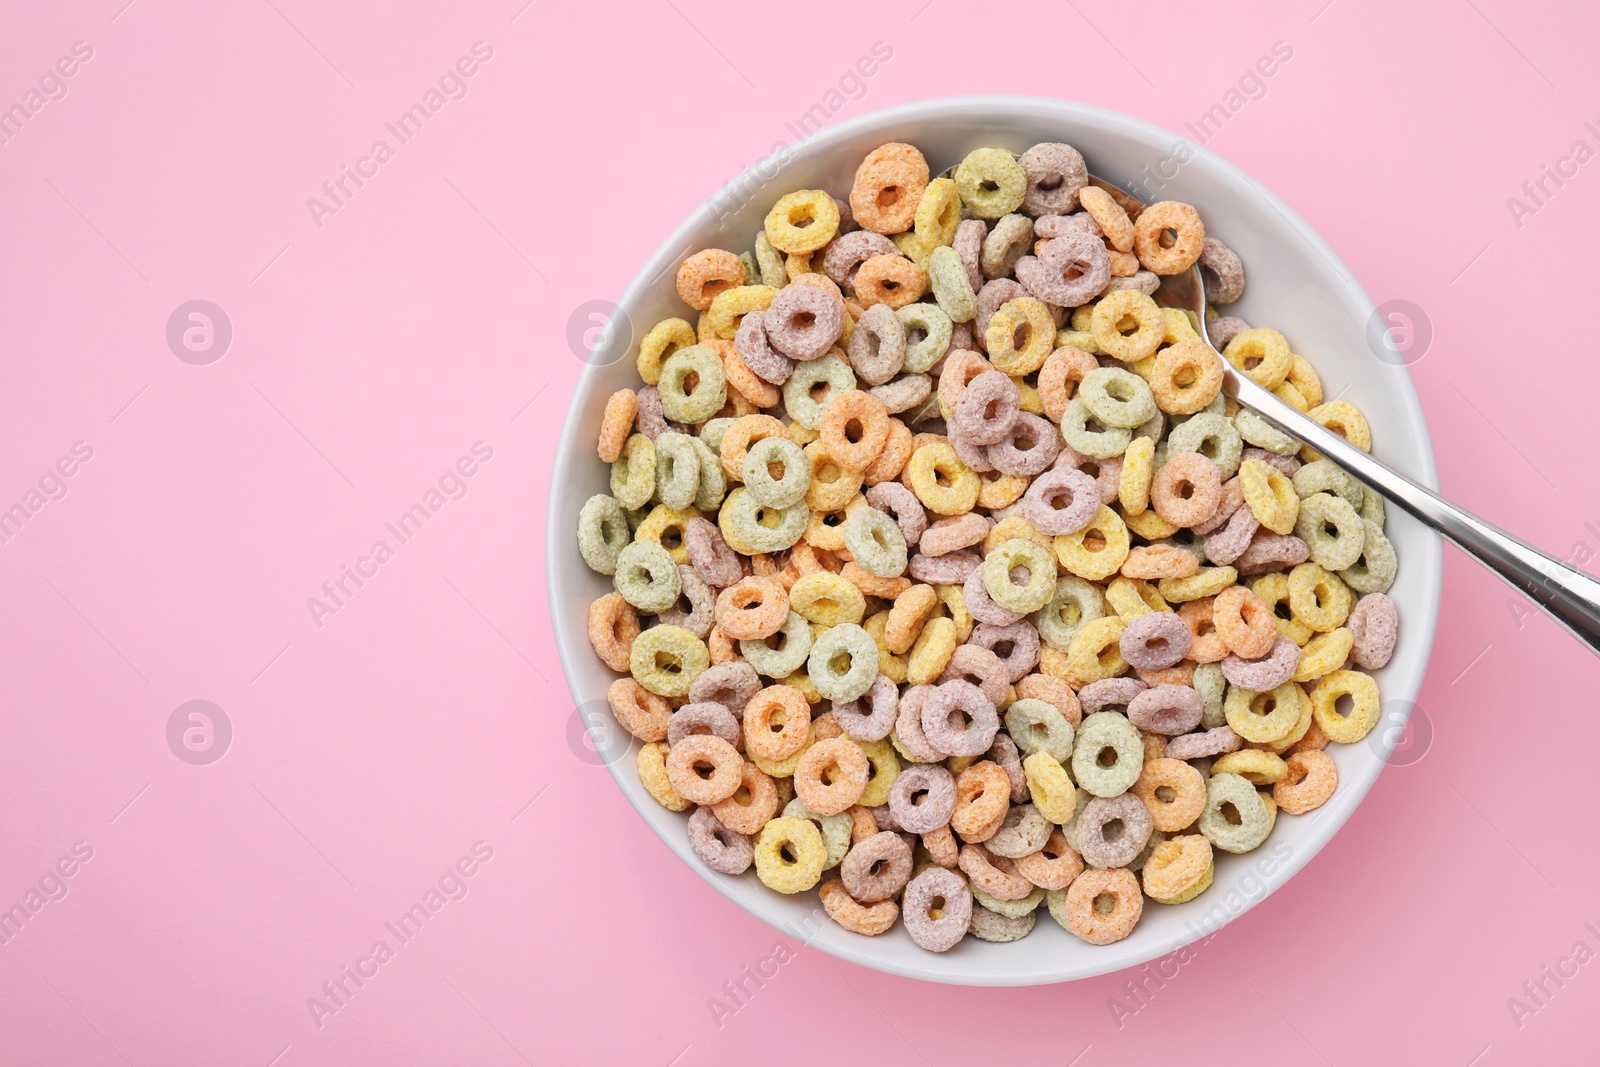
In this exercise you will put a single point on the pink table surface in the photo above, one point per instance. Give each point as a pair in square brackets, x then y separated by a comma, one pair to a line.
[417, 726]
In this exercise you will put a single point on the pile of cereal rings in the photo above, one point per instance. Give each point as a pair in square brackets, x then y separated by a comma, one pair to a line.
[947, 581]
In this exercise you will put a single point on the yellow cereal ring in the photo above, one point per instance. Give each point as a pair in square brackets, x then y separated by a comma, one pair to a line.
[1179, 328]
[1253, 764]
[667, 659]
[942, 482]
[1179, 869]
[825, 529]
[885, 768]
[662, 340]
[938, 215]
[1028, 318]
[832, 486]
[1319, 598]
[1149, 525]
[954, 599]
[996, 490]
[1133, 487]
[1324, 654]
[653, 776]
[802, 222]
[1273, 589]
[1301, 727]
[784, 768]
[1097, 551]
[1363, 693]
[1270, 495]
[1263, 717]
[1015, 527]
[931, 652]
[730, 306]
[1028, 396]
[1122, 306]
[1289, 394]
[1344, 419]
[827, 599]
[789, 854]
[665, 526]
[1053, 792]
[1207, 581]
[1304, 379]
[1261, 353]
[1094, 652]
[890, 664]
[1133, 597]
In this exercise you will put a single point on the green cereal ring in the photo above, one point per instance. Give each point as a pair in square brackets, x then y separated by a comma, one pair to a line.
[1117, 397]
[1011, 909]
[935, 330]
[835, 830]
[1372, 508]
[947, 277]
[712, 432]
[713, 483]
[667, 659]
[875, 540]
[777, 472]
[752, 269]
[1009, 241]
[677, 470]
[633, 475]
[602, 533]
[1325, 476]
[1259, 432]
[1211, 435]
[760, 528]
[990, 182]
[1373, 571]
[843, 662]
[781, 654]
[798, 399]
[1236, 817]
[1069, 829]
[647, 577]
[769, 261]
[1138, 862]
[1041, 568]
[1212, 687]
[1038, 727]
[1339, 549]
[1103, 735]
[1077, 432]
[1074, 604]
[693, 384]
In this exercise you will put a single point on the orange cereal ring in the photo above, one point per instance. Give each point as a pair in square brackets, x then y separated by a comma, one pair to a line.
[1185, 377]
[752, 608]
[993, 874]
[613, 624]
[867, 919]
[891, 280]
[752, 805]
[831, 776]
[863, 824]
[1244, 622]
[983, 793]
[704, 768]
[1101, 906]
[1181, 673]
[1109, 215]
[886, 193]
[1311, 781]
[738, 438]
[777, 723]
[760, 393]
[942, 847]
[911, 611]
[827, 726]
[639, 711]
[1063, 369]
[1054, 866]
[872, 585]
[1159, 561]
[1169, 237]
[1187, 489]
[899, 152]
[854, 429]
[722, 646]
[1174, 792]
[1053, 691]
[705, 274]
[896, 453]
[617, 423]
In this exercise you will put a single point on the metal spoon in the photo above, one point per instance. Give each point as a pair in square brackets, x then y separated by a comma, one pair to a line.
[1570, 596]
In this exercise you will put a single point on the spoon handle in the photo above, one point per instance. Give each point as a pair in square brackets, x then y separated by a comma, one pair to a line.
[1570, 596]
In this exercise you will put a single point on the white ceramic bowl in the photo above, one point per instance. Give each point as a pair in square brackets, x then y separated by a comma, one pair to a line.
[1296, 285]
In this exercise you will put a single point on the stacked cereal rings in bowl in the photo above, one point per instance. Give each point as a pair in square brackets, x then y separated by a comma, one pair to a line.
[947, 586]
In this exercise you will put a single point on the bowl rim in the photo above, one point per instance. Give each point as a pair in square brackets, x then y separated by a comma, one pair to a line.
[1429, 562]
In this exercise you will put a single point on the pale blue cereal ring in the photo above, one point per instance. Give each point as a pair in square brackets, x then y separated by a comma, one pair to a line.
[1077, 423]
[1255, 819]
[1033, 594]
[762, 528]
[947, 277]
[713, 483]
[1259, 432]
[1374, 571]
[1117, 397]
[1332, 531]
[1213, 436]
[1036, 726]
[1074, 604]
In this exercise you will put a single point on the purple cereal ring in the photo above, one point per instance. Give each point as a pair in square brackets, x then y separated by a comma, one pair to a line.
[1109, 694]
[1286, 465]
[755, 348]
[901, 505]
[1269, 552]
[876, 868]
[1016, 645]
[1222, 271]
[1375, 624]
[960, 718]
[923, 797]
[979, 604]
[1107, 473]
[978, 667]
[990, 297]
[908, 728]
[1225, 329]
[953, 568]
[1232, 501]
[1029, 449]
[1111, 831]
[968, 244]
[1004, 754]
[847, 219]
[877, 348]
[1061, 501]
[884, 817]
[706, 717]
[904, 392]
[1055, 173]
[883, 697]
[954, 532]
[1167, 709]
[1052, 226]
[916, 909]
[1267, 673]
[1213, 742]
[1154, 641]
[987, 409]
[651, 422]
[972, 456]
[803, 322]
[712, 559]
[717, 846]
[1071, 270]
[1229, 543]
[730, 684]
[848, 251]
[961, 337]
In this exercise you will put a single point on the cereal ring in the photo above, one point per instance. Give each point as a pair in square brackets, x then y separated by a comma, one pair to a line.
[983, 793]
[1236, 817]
[752, 608]
[843, 662]
[661, 341]
[1117, 397]
[1168, 237]
[1001, 585]
[1109, 215]
[892, 280]
[799, 392]
[1245, 623]
[803, 322]
[831, 776]
[1186, 377]
[777, 723]
[886, 193]
[1074, 604]
[1179, 869]
[1070, 271]
[633, 474]
[1319, 599]
[1374, 571]
[1332, 530]
[902, 394]
[877, 348]
[638, 711]
[1263, 716]
[941, 481]
[1166, 709]
[845, 254]
[1020, 335]
[1267, 672]
[1159, 561]
[928, 332]
[883, 697]
[987, 409]
[854, 429]
[954, 532]
[1186, 489]
[1062, 501]
[802, 221]
[704, 768]
[1023, 832]
[1261, 353]
[1228, 545]
[776, 472]
[1269, 495]
[857, 918]
[1211, 435]
[923, 798]
[1311, 780]
[877, 868]
[1211, 742]
[1079, 434]
[701, 603]
[952, 289]
[1173, 791]
[991, 182]
[959, 719]
[1015, 645]
[1098, 550]
[1325, 653]
[937, 908]
[789, 854]
[1108, 755]
[705, 274]
[1100, 906]
[1055, 174]
[1156, 640]
[1029, 449]
[1374, 626]
[647, 577]
[621, 408]
[896, 453]
[1113, 830]
[1271, 552]
[827, 599]
[987, 924]
[652, 765]
[1008, 242]
[1364, 712]
[1222, 272]
[602, 533]
[723, 850]
[677, 470]
[1255, 765]
[901, 504]
[613, 625]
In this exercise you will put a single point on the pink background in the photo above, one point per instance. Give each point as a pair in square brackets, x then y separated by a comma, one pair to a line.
[430, 313]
